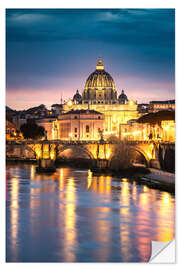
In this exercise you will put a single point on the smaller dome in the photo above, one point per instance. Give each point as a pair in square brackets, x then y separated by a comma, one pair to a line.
[122, 98]
[77, 97]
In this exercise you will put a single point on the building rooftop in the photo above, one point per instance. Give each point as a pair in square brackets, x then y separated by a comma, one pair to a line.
[172, 101]
[57, 105]
[82, 112]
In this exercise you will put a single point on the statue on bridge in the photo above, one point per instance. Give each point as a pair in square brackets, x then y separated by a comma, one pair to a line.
[101, 135]
[45, 133]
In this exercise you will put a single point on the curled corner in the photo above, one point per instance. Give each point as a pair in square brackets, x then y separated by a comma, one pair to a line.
[163, 252]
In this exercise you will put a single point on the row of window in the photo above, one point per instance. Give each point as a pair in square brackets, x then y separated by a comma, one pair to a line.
[75, 117]
[8, 131]
[101, 102]
[87, 129]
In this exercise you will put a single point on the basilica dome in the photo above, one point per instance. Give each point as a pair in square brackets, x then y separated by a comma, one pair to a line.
[99, 87]
[99, 78]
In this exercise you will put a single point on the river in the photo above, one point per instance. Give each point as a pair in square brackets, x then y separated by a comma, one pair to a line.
[72, 216]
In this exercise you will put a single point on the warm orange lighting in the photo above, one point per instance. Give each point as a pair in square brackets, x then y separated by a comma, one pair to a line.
[69, 103]
[52, 155]
[70, 221]
[32, 172]
[149, 155]
[89, 179]
[166, 198]
[89, 173]
[136, 132]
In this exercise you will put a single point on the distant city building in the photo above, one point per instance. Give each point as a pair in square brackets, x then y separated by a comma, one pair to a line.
[56, 109]
[50, 125]
[154, 126]
[11, 131]
[81, 125]
[143, 108]
[155, 106]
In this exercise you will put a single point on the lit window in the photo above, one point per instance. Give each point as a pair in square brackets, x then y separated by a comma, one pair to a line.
[87, 129]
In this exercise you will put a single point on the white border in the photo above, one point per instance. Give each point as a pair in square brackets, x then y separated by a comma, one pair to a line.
[71, 4]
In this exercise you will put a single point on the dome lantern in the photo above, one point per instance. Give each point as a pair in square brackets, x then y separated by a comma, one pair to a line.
[100, 65]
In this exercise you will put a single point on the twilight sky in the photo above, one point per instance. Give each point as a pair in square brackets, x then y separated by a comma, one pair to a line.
[51, 52]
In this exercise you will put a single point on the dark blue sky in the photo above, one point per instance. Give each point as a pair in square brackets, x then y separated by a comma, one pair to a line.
[51, 52]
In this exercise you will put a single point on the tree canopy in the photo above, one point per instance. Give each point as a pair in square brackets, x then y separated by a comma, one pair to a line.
[31, 130]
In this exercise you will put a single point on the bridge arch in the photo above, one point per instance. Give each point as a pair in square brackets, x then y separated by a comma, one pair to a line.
[132, 148]
[77, 148]
[142, 153]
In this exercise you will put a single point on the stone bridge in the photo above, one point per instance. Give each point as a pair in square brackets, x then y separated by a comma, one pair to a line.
[155, 154]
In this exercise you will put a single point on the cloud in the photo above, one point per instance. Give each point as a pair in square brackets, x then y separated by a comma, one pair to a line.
[52, 47]
[105, 25]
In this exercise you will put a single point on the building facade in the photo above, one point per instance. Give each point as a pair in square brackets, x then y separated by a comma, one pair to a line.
[100, 94]
[134, 131]
[51, 127]
[11, 131]
[80, 125]
[155, 106]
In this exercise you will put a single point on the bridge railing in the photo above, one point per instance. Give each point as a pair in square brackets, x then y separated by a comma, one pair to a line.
[71, 142]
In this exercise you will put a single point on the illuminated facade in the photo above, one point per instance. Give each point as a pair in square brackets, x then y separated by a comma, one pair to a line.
[100, 95]
[134, 131]
[80, 125]
[51, 126]
[11, 131]
[155, 106]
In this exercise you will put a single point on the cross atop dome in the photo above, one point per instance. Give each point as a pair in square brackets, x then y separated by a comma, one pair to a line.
[99, 65]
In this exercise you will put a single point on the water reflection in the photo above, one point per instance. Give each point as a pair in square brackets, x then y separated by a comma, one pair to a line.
[14, 215]
[75, 216]
[70, 221]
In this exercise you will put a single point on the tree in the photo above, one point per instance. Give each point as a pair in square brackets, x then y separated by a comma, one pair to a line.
[31, 130]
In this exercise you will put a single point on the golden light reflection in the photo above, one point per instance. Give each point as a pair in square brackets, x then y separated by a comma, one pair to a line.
[143, 199]
[165, 212]
[101, 184]
[144, 212]
[166, 198]
[125, 239]
[14, 214]
[70, 221]
[134, 191]
[32, 172]
[124, 197]
[145, 189]
[89, 179]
